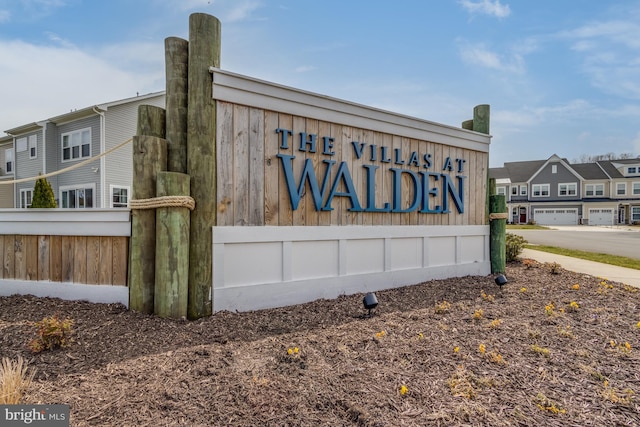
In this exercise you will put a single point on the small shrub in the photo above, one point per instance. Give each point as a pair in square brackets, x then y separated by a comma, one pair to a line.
[43, 196]
[52, 333]
[443, 307]
[554, 267]
[14, 380]
[514, 246]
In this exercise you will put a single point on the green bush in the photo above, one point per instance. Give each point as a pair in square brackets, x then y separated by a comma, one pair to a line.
[514, 245]
[43, 195]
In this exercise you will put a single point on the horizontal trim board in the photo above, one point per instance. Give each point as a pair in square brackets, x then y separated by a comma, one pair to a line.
[66, 222]
[105, 294]
[239, 89]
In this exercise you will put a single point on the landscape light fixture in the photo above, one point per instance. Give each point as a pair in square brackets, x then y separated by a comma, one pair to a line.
[501, 281]
[370, 302]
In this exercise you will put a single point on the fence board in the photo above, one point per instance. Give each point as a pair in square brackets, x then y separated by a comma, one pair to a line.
[224, 162]
[19, 260]
[80, 259]
[93, 260]
[44, 252]
[240, 163]
[120, 257]
[9, 256]
[106, 261]
[55, 258]
[67, 258]
[271, 169]
[31, 257]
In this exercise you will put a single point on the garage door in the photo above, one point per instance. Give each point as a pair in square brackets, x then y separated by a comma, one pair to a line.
[556, 216]
[600, 216]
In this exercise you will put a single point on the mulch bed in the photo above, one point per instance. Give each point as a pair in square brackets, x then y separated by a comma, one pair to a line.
[524, 355]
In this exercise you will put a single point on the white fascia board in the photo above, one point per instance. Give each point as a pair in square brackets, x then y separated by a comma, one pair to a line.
[66, 222]
[243, 90]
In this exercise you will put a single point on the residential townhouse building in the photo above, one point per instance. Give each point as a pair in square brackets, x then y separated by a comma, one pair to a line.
[7, 188]
[555, 192]
[63, 141]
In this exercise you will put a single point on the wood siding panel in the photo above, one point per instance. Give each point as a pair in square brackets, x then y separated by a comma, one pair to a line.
[31, 257]
[8, 264]
[120, 257]
[252, 189]
[106, 261]
[44, 254]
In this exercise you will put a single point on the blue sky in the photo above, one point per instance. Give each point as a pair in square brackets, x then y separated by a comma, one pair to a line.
[561, 76]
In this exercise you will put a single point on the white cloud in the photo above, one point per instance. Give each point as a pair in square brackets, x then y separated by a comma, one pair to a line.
[44, 81]
[478, 54]
[487, 7]
[5, 15]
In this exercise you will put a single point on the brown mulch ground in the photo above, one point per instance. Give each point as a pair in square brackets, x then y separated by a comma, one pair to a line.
[128, 369]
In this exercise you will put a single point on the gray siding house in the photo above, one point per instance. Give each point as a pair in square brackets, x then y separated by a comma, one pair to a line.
[7, 191]
[553, 191]
[64, 141]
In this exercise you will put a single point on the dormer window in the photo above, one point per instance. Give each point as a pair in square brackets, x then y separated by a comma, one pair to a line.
[632, 170]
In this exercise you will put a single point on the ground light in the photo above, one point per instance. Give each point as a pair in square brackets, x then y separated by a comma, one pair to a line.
[501, 280]
[370, 302]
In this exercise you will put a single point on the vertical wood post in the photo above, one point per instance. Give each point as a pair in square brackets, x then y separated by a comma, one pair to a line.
[149, 157]
[172, 248]
[151, 121]
[497, 233]
[481, 123]
[176, 65]
[204, 52]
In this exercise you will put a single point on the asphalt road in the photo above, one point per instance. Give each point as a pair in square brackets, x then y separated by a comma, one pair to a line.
[585, 238]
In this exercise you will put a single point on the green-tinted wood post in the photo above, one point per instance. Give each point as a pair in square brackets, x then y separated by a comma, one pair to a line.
[172, 248]
[481, 123]
[467, 124]
[149, 158]
[176, 65]
[497, 233]
[151, 121]
[204, 52]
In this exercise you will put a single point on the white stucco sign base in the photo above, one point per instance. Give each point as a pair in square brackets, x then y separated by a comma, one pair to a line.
[266, 267]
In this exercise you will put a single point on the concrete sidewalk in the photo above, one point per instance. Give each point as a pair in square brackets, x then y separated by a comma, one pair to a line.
[629, 276]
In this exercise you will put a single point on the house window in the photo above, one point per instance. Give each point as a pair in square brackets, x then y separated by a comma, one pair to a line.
[119, 197]
[540, 190]
[501, 191]
[632, 169]
[26, 197]
[635, 188]
[594, 190]
[514, 190]
[570, 189]
[33, 146]
[76, 145]
[523, 190]
[8, 158]
[77, 197]
[635, 213]
[621, 188]
[554, 168]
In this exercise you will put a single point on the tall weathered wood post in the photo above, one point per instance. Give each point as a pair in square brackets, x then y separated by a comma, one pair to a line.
[149, 158]
[497, 232]
[204, 52]
[176, 52]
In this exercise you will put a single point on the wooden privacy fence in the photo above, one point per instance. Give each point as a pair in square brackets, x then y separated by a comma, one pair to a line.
[93, 260]
[66, 253]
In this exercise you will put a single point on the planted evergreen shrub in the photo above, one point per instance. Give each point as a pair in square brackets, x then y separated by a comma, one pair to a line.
[43, 195]
[514, 246]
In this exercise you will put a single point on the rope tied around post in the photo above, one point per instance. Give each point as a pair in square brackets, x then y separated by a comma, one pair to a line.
[164, 202]
[498, 215]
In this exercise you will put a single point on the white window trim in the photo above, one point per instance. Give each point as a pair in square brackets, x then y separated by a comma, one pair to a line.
[618, 185]
[523, 190]
[542, 187]
[635, 209]
[570, 186]
[554, 168]
[24, 192]
[91, 186]
[514, 190]
[502, 191]
[33, 143]
[113, 187]
[633, 188]
[594, 190]
[71, 158]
